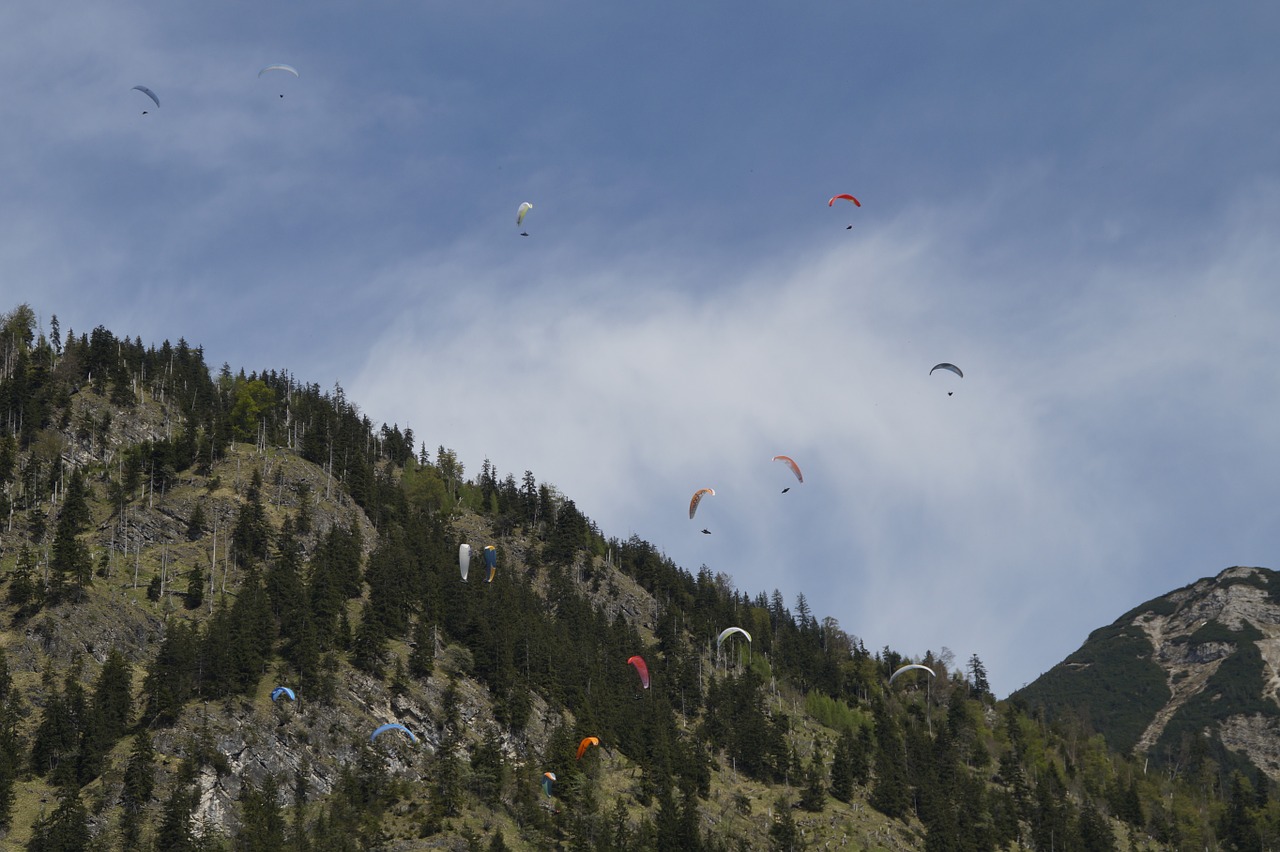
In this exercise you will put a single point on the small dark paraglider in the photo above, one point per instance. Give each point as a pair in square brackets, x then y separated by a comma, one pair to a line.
[706, 532]
[785, 490]
[149, 94]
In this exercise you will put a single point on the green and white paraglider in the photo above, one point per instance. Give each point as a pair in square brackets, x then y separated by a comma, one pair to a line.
[729, 631]
[910, 668]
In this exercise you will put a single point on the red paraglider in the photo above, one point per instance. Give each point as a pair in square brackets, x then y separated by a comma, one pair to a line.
[846, 196]
[641, 668]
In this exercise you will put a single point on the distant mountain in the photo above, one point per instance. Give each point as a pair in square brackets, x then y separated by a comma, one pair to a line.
[1193, 672]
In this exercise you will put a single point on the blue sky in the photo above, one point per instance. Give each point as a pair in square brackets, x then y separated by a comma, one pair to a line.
[1076, 203]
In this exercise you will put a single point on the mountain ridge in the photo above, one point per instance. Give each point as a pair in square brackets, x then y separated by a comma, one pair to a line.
[177, 544]
[1201, 658]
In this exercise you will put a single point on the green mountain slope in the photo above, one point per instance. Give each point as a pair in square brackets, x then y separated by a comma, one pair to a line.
[177, 544]
[1191, 671]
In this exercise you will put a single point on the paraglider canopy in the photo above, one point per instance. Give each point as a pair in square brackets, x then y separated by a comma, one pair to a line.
[149, 94]
[585, 744]
[382, 729]
[464, 560]
[724, 634]
[491, 560]
[790, 462]
[642, 668]
[521, 212]
[282, 692]
[289, 69]
[548, 778]
[847, 197]
[951, 367]
[697, 498]
[911, 667]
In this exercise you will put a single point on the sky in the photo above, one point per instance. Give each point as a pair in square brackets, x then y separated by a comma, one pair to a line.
[1075, 203]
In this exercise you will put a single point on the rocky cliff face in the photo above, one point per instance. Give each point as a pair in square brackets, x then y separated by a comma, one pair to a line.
[1199, 666]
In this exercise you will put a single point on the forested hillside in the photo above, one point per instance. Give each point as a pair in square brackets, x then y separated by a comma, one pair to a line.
[178, 542]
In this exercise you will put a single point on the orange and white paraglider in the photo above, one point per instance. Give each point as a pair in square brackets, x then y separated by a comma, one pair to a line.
[697, 498]
[795, 468]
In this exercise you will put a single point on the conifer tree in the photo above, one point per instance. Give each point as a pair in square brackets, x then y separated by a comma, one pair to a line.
[814, 797]
[298, 840]
[197, 522]
[66, 829]
[889, 790]
[446, 790]
[177, 831]
[978, 678]
[283, 581]
[57, 737]
[251, 535]
[11, 714]
[369, 646]
[139, 784]
[422, 656]
[194, 596]
[784, 834]
[23, 591]
[171, 676]
[70, 565]
[842, 767]
[262, 824]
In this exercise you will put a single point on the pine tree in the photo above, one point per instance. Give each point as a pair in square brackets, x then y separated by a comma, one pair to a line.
[251, 536]
[978, 678]
[56, 741]
[842, 780]
[23, 592]
[784, 834]
[177, 831]
[194, 597]
[196, 523]
[70, 565]
[889, 789]
[262, 825]
[139, 784]
[11, 714]
[66, 829]
[814, 797]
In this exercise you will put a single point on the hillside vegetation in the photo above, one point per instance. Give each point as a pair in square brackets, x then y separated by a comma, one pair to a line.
[177, 543]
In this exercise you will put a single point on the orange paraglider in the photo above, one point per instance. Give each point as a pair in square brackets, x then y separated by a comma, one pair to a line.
[585, 744]
[697, 498]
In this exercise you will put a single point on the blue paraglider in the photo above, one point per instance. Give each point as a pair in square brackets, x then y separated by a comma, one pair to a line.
[393, 725]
